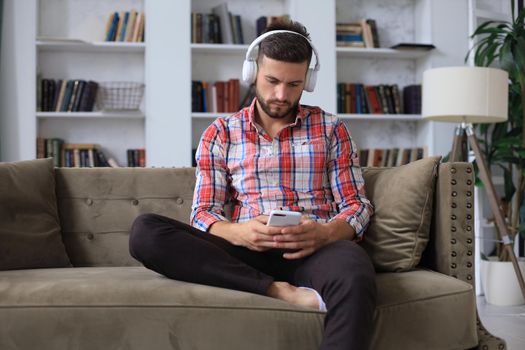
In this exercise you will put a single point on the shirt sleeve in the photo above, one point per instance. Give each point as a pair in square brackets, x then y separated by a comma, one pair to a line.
[346, 181]
[211, 178]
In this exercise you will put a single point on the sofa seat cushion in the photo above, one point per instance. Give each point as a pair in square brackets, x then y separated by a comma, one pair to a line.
[135, 308]
[114, 307]
[423, 309]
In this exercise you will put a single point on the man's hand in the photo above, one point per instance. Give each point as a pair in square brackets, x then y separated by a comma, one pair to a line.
[309, 236]
[252, 234]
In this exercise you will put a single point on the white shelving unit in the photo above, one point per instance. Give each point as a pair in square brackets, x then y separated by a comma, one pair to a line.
[168, 61]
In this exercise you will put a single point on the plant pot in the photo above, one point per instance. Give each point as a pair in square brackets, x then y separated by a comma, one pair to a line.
[500, 283]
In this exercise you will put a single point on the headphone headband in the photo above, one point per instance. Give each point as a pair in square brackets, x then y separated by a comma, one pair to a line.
[251, 54]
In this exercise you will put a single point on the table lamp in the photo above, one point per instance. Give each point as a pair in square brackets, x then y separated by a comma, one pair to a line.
[467, 95]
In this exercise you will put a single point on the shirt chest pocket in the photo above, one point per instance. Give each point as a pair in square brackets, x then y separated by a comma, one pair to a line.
[310, 158]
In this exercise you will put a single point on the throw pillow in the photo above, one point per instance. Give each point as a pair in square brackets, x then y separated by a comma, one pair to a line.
[403, 198]
[29, 226]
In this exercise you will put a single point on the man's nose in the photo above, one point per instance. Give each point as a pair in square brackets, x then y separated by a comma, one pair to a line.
[281, 92]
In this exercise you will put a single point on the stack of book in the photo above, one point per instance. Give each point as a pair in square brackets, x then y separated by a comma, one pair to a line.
[362, 34]
[125, 26]
[72, 154]
[221, 26]
[378, 157]
[264, 21]
[205, 28]
[67, 95]
[368, 99]
[136, 157]
[217, 97]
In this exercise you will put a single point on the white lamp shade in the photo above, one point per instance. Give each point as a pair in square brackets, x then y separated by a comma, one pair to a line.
[465, 94]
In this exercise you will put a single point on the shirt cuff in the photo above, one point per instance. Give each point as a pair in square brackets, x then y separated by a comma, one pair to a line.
[205, 219]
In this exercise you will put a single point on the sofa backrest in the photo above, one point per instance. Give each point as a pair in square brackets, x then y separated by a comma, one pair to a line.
[98, 205]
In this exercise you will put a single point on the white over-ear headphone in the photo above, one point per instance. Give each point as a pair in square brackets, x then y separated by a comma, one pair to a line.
[249, 67]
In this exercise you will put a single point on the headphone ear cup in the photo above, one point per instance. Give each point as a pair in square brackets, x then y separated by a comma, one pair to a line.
[249, 71]
[310, 80]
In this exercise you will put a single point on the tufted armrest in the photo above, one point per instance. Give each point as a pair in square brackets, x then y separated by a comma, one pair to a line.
[451, 246]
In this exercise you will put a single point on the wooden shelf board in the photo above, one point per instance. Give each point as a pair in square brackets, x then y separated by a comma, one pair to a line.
[380, 53]
[380, 117]
[233, 49]
[84, 46]
[97, 115]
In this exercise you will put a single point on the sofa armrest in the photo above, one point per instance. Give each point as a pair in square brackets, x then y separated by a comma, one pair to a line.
[451, 246]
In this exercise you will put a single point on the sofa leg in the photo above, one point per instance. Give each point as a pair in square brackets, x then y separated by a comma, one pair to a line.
[488, 341]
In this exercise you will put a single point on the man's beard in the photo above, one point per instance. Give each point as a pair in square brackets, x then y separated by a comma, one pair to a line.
[282, 112]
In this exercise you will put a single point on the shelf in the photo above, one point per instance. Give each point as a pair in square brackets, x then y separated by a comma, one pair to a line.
[492, 15]
[204, 115]
[232, 49]
[96, 115]
[372, 117]
[380, 53]
[84, 46]
[380, 117]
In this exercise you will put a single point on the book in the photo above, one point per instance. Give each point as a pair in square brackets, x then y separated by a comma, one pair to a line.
[413, 46]
[131, 25]
[373, 29]
[221, 11]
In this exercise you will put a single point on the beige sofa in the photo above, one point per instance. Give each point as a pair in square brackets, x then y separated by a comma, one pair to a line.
[108, 301]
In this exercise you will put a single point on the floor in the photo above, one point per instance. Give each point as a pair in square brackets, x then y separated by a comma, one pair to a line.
[507, 322]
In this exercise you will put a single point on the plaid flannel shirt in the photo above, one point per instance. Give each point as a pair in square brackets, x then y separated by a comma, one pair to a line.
[311, 166]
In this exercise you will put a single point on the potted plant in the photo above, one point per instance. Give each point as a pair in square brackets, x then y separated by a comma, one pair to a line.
[502, 43]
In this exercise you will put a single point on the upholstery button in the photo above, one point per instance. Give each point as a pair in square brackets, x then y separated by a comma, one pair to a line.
[469, 182]
[453, 229]
[469, 205]
[453, 217]
[90, 236]
[469, 170]
[453, 265]
[179, 200]
[454, 205]
[454, 193]
[469, 193]
[469, 240]
[469, 277]
[135, 202]
[453, 241]
[453, 182]
[469, 228]
[469, 216]
[453, 170]
[453, 254]
[469, 264]
[89, 201]
[469, 253]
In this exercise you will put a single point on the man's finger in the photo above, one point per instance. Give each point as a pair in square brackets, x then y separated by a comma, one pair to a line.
[299, 254]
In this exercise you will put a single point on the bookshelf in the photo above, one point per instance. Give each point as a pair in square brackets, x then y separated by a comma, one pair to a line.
[167, 63]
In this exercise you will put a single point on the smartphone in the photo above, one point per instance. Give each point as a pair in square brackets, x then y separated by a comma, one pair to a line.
[284, 218]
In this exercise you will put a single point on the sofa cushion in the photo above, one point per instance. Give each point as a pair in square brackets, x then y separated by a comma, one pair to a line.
[399, 229]
[135, 308]
[423, 309]
[29, 225]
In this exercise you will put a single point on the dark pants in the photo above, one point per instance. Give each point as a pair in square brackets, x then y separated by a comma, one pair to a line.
[341, 272]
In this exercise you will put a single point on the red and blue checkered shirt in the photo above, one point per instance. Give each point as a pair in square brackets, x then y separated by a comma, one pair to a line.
[311, 166]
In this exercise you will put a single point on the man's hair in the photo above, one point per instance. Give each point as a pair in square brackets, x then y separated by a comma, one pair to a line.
[287, 47]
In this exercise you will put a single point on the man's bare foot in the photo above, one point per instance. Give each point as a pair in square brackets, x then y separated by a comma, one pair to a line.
[293, 295]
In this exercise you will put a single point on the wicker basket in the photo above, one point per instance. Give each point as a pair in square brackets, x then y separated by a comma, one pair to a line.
[120, 95]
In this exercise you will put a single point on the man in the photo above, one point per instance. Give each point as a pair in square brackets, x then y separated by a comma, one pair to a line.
[276, 154]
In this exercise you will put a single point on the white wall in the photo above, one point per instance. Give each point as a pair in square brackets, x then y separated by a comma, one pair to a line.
[17, 71]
